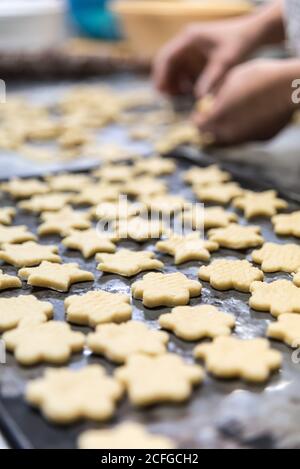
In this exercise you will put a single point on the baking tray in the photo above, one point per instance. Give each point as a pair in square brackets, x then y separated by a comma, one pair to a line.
[220, 414]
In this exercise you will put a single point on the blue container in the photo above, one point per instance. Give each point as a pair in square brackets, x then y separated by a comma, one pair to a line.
[95, 19]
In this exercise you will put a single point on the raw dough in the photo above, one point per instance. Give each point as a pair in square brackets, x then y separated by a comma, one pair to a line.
[166, 204]
[68, 182]
[9, 281]
[89, 242]
[187, 248]
[23, 310]
[287, 225]
[207, 218]
[237, 237]
[278, 257]
[128, 263]
[205, 176]
[15, 234]
[286, 329]
[46, 203]
[154, 166]
[259, 204]
[145, 186]
[62, 222]
[28, 254]
[94, 194]
[278, 297]
[24, 188]
[218, 193]
[7, 215]
[139, 229]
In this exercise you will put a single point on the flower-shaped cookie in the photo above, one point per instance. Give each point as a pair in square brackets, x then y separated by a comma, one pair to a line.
[278, 257]
[197, 322]
[251, 360]
[277, 297]
[9, 281]
[237, 237]
[225, 274]
[28, 254]
[211, 217]
[23, 310]
[145, 186]
[46, 203]
[139, 229]
[58, 277]
[164, 378]
[7, 215]
[187, 248]
[98, 307]
[286, 329]
[66, 395]
[218, 193]
[24, 188]
[51, 342]
[15, 234]
[127, 435]
[260, 204]
[117, 342]
[128, 263]
[63, 221]
[157, 289]
[205, 176]
[89, 242]
[68, 182]
[154, 166]
[287, 224]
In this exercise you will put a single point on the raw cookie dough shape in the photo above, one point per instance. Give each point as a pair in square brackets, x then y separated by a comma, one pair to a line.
[157, 289]
[98, 307]
[9, 281]
[205, 176]
[145, 186]
[66, 182]
[128, 435]
[128, 263]
[187, 248]
[57, 277]
[46, 203]
[277, 298]
[166, 204]
[218, 193]
[65, 395]
[237, 237]
[197, 322]
[153, 380]
[52, 342]
[139, 229]
[115, 211]
[155, 166]
[287, 224]
[15, 235]
[22, 311]
[7, 215]
[94, 194]
[250, 360]
[278, 257]
[89, 242]
[259, 204]
[114, 173]
[28, 254]
[225, 274]
[62, 222]
[24, 188]
[286, 329]
[211, 217]
[117, 342]
[296, 278]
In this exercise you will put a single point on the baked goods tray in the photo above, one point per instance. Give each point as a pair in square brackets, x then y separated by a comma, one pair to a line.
[221, 414]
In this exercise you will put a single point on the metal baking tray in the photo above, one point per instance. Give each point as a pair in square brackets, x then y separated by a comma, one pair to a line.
[220, 414]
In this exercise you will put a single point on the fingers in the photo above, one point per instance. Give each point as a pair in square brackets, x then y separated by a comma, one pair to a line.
[210, 78]
[166, 73]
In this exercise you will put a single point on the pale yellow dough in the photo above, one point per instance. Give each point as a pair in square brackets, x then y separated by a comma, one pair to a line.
[114, 173]
[207, 218]
[197, 322]
[9, 281]
[154, 166]
[187, 248]
[68, 182]
[287, 224]
[286, 329]
[278, 257]
[15, 235]
[205, 176]
[58, 277]
[128, 263]
[89, 242]
[51, 342]
[63, 221]
[250, 360]
[115, 211]
[98, 307]
[139, 229]
[277, 298]
[225, 274]
[164, 378]
[237, 237]
[95, 194]
[259, 204]
[117, 342]
[145, 186]
[157, 289]
[46, 203]
[127, 435]
[218, 193]
[66, 395]
[166, 204]
[23, 311]
[28, 254]
[7, 215]
[24, 188]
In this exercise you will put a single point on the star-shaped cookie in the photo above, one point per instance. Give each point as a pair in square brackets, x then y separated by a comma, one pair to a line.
[278, 297]
[287, 224]
[286, 329]
[218, 193]
[98, 307]
[197, 322]
[157, 289]
[259, 204]
[46, 203]
[154, 166]
[51, 342]
[115, 211]
[63, 221]
[128, 435]
[139, 229]
[164, 378]
[68, 182]
[128, 263]
[7, 215]
[237, 237]
[145, 186]
[226, 274]
[296, 278]
[24, 188]
[9, 281]
[117, 342]
[187, 248]
[251, 360]
[94, 194]
[211, 217]
[114, 173]
[89, 242]
[22, 311]
[15, 235]
[28, 254]
[58, 277]
[165, 204]
[275, 257]
[66, 395]
[205, 176]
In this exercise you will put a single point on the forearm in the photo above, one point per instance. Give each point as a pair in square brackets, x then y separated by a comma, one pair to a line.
[266, 26]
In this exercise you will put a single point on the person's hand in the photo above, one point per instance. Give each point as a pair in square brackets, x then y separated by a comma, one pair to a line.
[253, 103]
